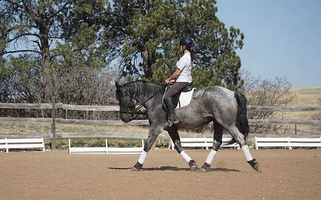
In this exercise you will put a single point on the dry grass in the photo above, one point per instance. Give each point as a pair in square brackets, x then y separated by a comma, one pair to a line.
[29, 128]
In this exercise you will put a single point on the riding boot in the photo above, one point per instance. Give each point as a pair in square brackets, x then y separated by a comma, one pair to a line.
[172, 118]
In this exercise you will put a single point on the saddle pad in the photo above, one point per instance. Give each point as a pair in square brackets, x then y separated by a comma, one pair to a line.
[185, 98]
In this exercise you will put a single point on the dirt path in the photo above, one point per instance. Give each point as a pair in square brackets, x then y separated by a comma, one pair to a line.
[286, 174]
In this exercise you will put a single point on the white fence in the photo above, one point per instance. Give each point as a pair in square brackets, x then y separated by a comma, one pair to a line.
[287, 142]
[259, 142]
[105, 149]
[203, 142]
[25, 143]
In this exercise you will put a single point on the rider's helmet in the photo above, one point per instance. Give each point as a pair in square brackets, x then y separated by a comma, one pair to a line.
[188, 42]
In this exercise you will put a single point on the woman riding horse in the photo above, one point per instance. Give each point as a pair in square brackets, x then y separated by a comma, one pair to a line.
[180, 78]
[225, 108]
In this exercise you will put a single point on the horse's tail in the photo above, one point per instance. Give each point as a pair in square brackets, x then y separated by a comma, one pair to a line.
[241, 120]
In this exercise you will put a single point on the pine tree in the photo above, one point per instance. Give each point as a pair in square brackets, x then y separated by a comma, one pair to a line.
[149, 35]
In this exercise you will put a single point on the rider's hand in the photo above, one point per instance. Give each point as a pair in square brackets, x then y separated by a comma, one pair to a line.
[168, 81]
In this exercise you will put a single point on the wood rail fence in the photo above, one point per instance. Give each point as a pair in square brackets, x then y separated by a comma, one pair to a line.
[115, 108]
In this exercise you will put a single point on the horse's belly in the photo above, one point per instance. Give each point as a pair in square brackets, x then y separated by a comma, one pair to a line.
[193, 123]
[190, 119]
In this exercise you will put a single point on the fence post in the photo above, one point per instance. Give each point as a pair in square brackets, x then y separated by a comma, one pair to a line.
[53, 125]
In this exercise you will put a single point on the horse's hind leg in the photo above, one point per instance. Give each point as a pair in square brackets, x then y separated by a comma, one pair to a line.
[240, 139]
[217, 141]
[172, 131]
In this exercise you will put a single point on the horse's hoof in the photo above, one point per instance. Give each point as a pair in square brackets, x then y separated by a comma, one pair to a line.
[137, 167]
[133, 169]
[255, 165]
[204, 168]
[192, 165]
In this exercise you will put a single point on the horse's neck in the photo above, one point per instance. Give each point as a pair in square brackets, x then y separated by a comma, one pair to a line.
[154, 101]
[149, 99]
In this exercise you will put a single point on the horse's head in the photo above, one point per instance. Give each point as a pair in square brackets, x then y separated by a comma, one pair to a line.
[127, 102]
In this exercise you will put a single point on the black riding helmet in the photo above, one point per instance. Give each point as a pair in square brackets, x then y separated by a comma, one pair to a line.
[188, 42]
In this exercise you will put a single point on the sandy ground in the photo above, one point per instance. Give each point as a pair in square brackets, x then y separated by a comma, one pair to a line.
[286, 174]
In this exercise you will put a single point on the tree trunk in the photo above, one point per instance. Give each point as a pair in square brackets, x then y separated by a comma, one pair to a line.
[146, 65]
[45, 53]
[47, 74]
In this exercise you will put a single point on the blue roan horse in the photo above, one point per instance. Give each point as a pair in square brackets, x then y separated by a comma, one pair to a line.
[225, 108]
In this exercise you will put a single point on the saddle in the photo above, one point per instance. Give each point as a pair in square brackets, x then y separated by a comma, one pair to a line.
[181, 99]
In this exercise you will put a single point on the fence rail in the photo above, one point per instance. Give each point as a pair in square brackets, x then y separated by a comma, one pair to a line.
[115, 108]
[310, 122]
[112, 108]
[283, 109]
[77, 121]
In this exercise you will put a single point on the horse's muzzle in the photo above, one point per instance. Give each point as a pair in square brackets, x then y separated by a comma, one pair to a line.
[126, 118]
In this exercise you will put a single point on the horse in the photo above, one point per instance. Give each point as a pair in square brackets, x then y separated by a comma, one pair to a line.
[225, 108]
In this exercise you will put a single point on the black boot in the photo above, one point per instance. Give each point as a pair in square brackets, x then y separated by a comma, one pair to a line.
[172, 118]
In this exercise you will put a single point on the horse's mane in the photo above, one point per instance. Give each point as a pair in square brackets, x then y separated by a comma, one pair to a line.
[143, 88]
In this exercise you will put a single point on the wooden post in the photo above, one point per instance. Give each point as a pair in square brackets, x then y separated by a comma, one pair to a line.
[53, 125]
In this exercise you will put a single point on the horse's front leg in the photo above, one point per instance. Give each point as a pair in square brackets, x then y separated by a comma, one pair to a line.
[178, 146]
[152, 136]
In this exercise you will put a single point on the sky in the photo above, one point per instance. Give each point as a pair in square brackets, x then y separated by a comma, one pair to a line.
[282, 38]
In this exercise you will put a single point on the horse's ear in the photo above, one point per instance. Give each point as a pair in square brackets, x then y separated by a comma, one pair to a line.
[117, 84]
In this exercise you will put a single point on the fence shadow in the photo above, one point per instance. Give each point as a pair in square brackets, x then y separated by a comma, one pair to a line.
[172, 168]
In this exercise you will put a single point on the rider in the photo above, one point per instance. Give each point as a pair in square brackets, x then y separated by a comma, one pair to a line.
[180, 78]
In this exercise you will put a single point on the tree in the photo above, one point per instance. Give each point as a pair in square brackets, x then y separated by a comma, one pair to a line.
[54, 34]
[148, 37]
[19, 80]
[81, 63]
[265, 92]
[32, 23]
[68, 41]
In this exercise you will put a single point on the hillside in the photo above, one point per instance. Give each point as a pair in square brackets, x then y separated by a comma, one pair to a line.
[306, 97]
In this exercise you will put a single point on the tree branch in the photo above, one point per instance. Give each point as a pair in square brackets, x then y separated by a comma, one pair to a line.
[59, 10]
[15, 3]
[37, 42]
[21, 51]
[31, 12]
[22, 35]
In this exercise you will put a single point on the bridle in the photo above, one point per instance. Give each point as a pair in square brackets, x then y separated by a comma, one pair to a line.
[134, 114]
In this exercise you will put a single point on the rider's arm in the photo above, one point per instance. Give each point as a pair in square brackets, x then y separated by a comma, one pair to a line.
[174, 76]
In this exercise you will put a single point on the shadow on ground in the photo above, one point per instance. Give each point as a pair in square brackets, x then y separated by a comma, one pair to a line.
[172, 168]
